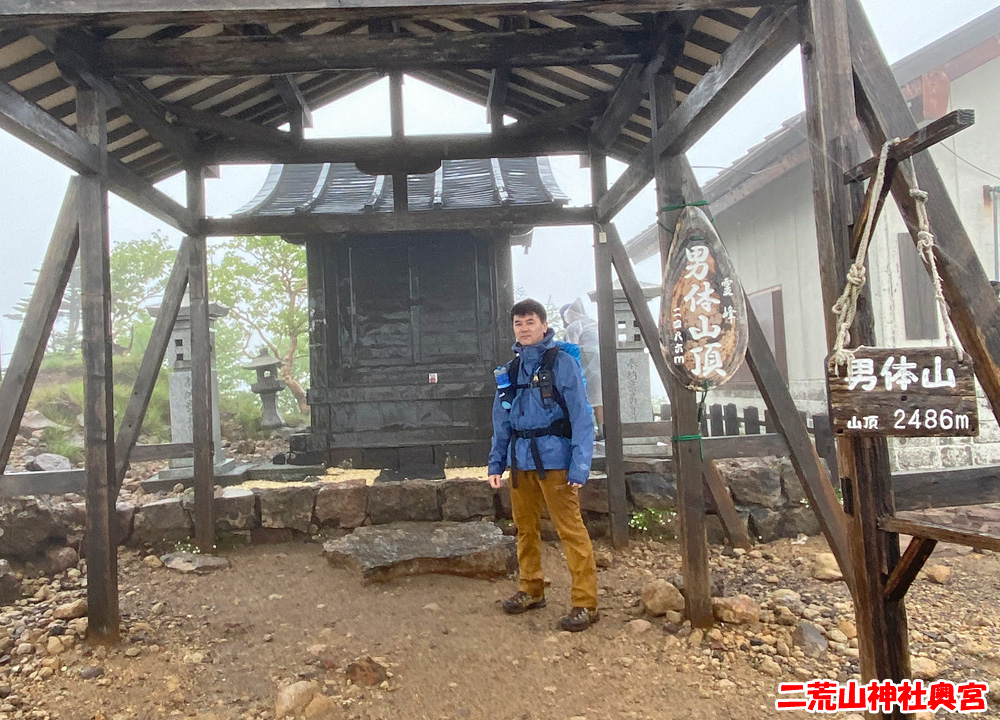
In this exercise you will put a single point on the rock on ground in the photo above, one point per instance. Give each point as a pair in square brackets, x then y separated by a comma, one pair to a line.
[366, 671]
[825, 567]
[660, 597]
[381, 552]
[939, 574]
[193, 562]
[809, 639]
[293, 699]
[49, 462]
[738, 610]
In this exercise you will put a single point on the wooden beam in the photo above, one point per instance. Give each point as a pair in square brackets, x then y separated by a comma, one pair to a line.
[497, 98]
[668, 43]
[716, 485]
[862, 462]
[414, 221]
[417, 150]
[152, 360]
[769, 37]
[741, 446]
[163, 451]
[43, 308]
[28, 122]
[884, 114]
[227, 126]
[299, 114]
[908, 568]
[608, 338]
[114, 12]
[400, 190]
[98, 407]
[922, 489]
[558, 118]
[941, 533]
[70, 50]
[924, 138]
[280, 55]
[201, 374]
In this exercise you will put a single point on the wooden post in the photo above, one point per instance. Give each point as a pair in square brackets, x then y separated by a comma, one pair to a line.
[38, 319]
[400, 191]
[683, 403]
[201, 374]
[608, 340]
[152, 359]
[98, 411]
[863, 462]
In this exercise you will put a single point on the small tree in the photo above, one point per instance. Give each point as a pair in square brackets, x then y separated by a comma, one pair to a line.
[263, 281]
[139, 272]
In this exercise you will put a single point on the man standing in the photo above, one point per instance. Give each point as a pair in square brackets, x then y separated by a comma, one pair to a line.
[542, 428]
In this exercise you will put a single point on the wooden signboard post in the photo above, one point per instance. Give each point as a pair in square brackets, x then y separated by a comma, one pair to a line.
[703, 318]
[906, 392]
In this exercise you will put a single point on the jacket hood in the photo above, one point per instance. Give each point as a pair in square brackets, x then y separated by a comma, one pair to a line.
[575, 312]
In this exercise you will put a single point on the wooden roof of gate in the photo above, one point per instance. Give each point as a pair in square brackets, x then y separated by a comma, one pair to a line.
[190, 78]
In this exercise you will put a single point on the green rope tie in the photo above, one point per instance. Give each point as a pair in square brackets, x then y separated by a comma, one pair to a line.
[697, 436]
[671, 208]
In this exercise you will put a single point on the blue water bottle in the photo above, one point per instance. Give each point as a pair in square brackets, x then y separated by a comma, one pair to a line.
[503, 386]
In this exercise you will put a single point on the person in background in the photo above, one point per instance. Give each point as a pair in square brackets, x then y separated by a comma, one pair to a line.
[582, 330]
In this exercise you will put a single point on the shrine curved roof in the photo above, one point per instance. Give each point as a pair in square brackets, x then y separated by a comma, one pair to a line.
[342, 188]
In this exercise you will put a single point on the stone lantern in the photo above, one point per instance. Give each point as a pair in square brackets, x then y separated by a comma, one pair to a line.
[267, 386]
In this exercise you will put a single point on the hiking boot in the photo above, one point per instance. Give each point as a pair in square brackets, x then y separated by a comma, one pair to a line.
[579, 619]
[521, 602]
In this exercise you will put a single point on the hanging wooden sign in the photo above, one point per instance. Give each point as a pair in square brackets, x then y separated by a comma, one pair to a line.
[908, 392]
[703, 317]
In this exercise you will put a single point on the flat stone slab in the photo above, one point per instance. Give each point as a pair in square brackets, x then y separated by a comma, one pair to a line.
[193, 563]
[382, 552]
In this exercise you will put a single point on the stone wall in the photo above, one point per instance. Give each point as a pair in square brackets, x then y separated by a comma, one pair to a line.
[766, 492]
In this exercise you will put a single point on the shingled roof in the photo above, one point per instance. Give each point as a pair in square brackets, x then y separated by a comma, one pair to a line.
[165, 58]
[342, 188]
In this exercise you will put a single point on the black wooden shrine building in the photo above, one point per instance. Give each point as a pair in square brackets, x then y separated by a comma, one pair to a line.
[128, 92]
[405, 328]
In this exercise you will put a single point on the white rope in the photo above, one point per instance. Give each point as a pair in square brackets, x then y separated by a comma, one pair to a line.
[847, 305]
[925, 246]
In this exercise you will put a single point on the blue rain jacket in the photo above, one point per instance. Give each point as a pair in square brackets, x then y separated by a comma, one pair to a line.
[528, 413]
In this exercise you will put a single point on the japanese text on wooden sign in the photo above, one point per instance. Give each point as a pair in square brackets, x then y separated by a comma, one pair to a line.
[915, 392]
[703, 324]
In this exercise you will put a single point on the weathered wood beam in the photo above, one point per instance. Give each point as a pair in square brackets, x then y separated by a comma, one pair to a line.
[922, 489]
[419, 151]
[883, 112]
[941, 533]
[152, 360]
[397, 118]
[497, 98]
[558, 118]
[98, 407]
[279, 55]
[49, 13]
[716, 485]
[414, 221]
[43, 308]
[768, 38]
[28, 122]
[924, 138]
[631, 89]
[163, 451]
[201, 373]
[608, 340]
[863, 463]
[70, 51]
[299, 114]
[908, 568]
[740, 446]
[226, 126]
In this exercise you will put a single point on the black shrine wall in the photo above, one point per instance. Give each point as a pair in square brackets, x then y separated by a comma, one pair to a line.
[387, 313]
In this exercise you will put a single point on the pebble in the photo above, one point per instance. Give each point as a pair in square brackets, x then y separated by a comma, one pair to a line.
[938, 574]
[639, 627]
[151, 561]
[89, 673]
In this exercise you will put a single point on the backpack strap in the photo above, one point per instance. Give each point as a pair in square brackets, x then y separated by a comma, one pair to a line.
[546, 380]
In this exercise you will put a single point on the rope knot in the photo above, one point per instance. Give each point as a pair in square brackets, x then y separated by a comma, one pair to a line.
[918, 195]
[856, 275]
